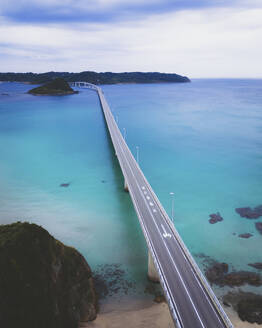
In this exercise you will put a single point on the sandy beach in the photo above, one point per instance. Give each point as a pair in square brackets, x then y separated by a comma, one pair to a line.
[154, 316]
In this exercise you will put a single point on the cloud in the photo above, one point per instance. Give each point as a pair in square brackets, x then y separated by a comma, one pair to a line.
[205, 38]
[66, 11]
[210, 42]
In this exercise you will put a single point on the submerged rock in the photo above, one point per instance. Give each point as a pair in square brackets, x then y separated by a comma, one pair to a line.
[245, 235]
[249, 213]
[111, 280]
[257, 265]
[239, 278]
[218, 274]
[259, 226]
[65, 184]
[247, 305]
[214, 218]
[43, 283]
[250, 309]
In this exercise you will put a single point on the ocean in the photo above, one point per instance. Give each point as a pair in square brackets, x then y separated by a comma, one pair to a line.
[200, 140]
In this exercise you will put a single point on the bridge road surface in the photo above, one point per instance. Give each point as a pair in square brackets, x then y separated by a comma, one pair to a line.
[190, 304]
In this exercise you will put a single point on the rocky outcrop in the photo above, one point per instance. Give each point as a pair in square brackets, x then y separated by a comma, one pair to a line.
[218, 274]
[245, 235]
[56, 87]
[240, 278]
[214, 218]
[249, 213]
[247, 305]
[65, 185]
[110, 279]
[250, 309]
[257, 265]
[259, 226]
[43, 283]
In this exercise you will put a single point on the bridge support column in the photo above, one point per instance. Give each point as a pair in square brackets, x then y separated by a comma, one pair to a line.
[152, 273]
[125, 186]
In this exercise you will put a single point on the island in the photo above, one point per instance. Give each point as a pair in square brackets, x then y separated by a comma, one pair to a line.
[96, 78]
[56, 87]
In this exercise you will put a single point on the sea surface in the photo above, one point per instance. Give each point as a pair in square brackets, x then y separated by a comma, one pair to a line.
[200, 140]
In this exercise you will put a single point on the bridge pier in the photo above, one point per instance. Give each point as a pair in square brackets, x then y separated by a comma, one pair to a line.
[125, 186]
[152, 273]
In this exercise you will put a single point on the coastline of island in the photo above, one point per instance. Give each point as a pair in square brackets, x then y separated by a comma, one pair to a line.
[57, 87]
[95, 78]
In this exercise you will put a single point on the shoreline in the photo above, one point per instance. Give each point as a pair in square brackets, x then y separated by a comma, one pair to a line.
[154, 315]
[237, 322]
[146, 314]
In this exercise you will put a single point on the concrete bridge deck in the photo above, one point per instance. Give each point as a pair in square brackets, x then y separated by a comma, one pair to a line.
[191, 300]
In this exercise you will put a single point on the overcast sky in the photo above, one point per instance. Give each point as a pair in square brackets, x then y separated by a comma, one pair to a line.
[197, 38]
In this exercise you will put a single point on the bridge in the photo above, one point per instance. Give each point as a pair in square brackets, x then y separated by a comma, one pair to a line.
[191, 301]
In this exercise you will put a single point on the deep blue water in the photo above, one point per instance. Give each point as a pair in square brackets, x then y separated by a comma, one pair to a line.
[201, 140]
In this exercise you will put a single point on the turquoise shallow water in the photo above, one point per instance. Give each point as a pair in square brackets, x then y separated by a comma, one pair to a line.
[202, 141]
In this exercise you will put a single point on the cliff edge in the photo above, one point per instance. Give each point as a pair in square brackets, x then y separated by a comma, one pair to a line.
[43, 283]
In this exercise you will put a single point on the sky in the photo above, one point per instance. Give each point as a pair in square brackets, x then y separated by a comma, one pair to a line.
[196, 38]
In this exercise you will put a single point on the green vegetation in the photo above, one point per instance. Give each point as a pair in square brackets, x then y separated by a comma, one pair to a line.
[56, 87]
[93, 77]
[42, 282]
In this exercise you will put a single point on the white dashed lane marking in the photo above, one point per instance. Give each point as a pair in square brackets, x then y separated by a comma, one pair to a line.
[165, 234]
